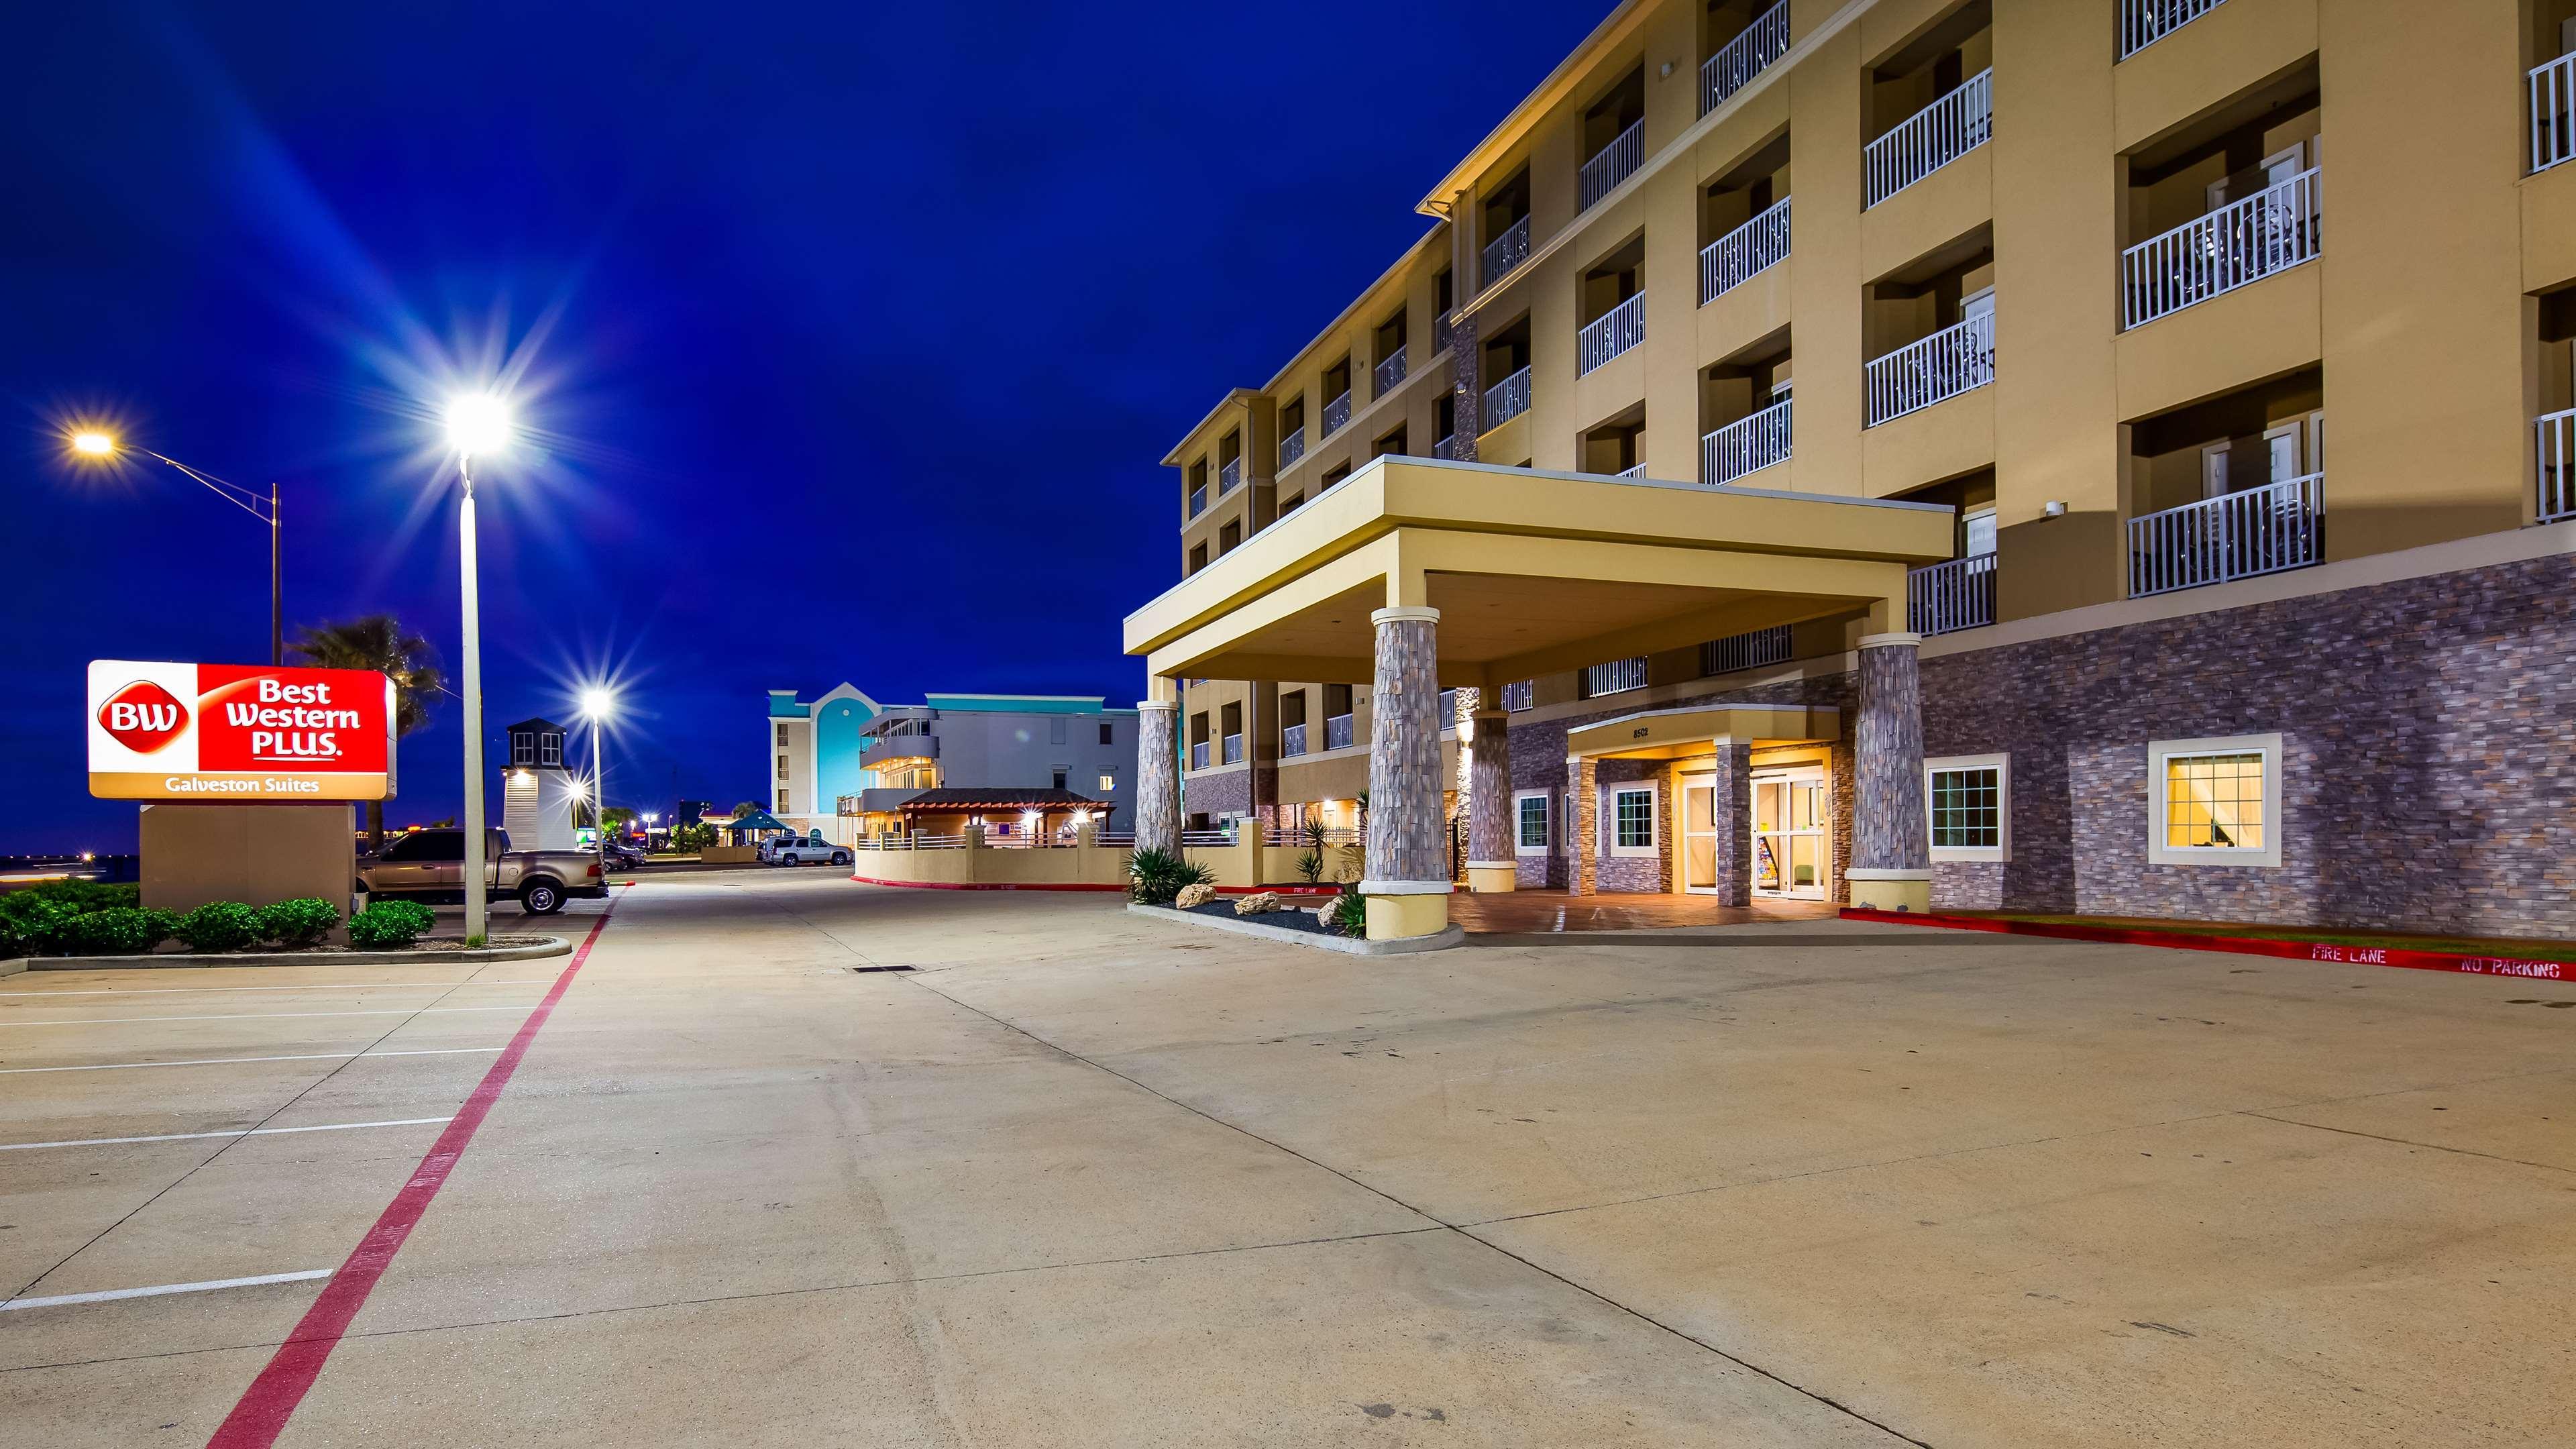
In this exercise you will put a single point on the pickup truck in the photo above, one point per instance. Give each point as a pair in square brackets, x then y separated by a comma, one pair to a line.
[429, 865]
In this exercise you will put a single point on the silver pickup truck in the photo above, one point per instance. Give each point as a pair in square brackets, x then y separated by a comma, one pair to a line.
[429, 865]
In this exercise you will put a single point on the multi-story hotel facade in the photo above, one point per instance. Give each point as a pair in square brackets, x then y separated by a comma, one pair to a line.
[2081, 281]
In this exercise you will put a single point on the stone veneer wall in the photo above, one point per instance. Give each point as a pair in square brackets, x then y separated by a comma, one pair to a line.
[1213, 795]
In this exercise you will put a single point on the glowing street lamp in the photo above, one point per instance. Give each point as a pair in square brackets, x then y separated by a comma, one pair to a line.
[596, 704]
[95, 444]
[476, 423]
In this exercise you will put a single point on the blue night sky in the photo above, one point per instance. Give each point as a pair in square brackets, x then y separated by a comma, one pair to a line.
[851, 336]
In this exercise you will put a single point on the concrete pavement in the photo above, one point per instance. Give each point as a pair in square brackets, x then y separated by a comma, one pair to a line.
[1080, 1178]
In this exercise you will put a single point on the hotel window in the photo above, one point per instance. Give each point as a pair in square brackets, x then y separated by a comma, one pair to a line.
[1631, 809]
[549, 749]
[1108, 782]
[782, 737]
[1060, 776]
[1520, 694]
[782, 802]
[1966, 800]
[1530, 818]
[2214, 801]
[782, 767]
[1107, 736]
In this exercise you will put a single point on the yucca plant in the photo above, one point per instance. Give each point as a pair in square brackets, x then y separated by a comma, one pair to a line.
[1155, 876]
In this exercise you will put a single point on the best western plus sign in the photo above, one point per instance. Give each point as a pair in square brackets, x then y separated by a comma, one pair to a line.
[160, 731]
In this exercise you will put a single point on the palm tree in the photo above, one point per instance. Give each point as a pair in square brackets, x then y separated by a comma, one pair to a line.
[378, 642]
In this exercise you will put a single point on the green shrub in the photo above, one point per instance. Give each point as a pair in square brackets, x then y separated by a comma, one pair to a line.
[219, 926]
[116, 931]
[1310, 864]
[390, 923]
[1350, 912]
[1154, 877]
[31, 925]
[298, 922]
[88, 895]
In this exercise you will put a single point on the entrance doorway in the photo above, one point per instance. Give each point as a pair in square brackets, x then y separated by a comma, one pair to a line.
[1699, 834]
[1793, 849]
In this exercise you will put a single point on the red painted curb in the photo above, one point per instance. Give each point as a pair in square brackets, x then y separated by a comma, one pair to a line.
[954, 885]
[2399, 957]
[270, 1401]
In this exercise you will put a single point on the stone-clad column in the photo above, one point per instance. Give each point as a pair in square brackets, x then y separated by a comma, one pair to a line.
[1582, 827]
[1734, 822]
[1467, 398]
[1158, 772]
[1407, 880]
[1891, 852]
[1492, 835]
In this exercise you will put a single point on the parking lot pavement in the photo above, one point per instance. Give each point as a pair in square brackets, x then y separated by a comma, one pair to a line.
[796, 1160]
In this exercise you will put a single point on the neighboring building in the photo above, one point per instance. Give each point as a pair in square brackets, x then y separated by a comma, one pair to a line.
[2059, 268]
[961, 756]
[539, 788]
[815, 747]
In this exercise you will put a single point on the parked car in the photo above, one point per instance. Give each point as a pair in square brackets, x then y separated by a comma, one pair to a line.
[807, 850]
[429, 865]
[623, 854]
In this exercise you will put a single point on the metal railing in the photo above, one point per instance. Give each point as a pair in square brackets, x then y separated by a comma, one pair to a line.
[1506, 400]
[1744, 446]
[1446, 448]
[2553, 98]
[1337, 732]
[1229, 477]
[1507, 251]
[1198, 500]
[1390, 372]
[1199, 755]
[2242, 242]
[1954, 360]
[937, 842]
[1744, 57]
[1614, 676]
[1932, 138]
[1520, 694]
[1296, 835]
[1444, 328]
[1292, 740]
[1234, 748]
[1444, 710]
[2557, 458]
[1613, 164]
[1638, 471]
[2233, 536]
[2144, 22]
[1944, 597]
[1749, 650]
[1207, 837]
[1744, 253]
[1611, 333]
[1337, 413]
[1293, 446]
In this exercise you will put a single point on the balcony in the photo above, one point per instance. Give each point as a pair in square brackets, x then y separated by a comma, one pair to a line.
[1746, 445]
[1199, 755]
[1443, 328]
[1292, 741]
[1615, 677]
[1390, 373]
[1337, 413]
[1292, 447]
[1744, 253]
[2242, 242]
[2557, 457]
[1507, 251]
[1613, 164]
[2265, 530]
[1753, 649]
[1234, 748]
[1229, 477]
[1610, 334]
[898, 747]
[1638, 471]
[1337, 732]
[1744, 57]
[1931, 138]
[1198, 500]
[1447, 448]
[1950, 596]
[2553, 99]
[1520, 694]
[1507, 400]
[1947, 363]
[2144, 22]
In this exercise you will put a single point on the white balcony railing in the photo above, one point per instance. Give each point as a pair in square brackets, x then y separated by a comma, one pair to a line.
[1613, 164]
[1443, 328]
[1745, 446]
[2233, 536]
[1614, 677]
[1639, 471]
[2242, 242]
[2557, 465]
[1959, 594]
[1506, 400]
[1932, 138]
[2144, 22]
[1234, 748]
[1744, 57]
[1752, 649]
[1446, 448]
[1507, 251]
[1337, 732]
[1337, 412]
[1198, 500]
[1520, 694]
[1199, 755]
[1744, 253]
[1229, 477]
[1947, 363]
[1610, 334]
[1292, 741]
[1293, 446]
[1390, 372]
[2553, 108]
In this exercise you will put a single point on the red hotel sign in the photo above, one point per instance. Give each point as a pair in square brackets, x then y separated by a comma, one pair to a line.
[238, 732]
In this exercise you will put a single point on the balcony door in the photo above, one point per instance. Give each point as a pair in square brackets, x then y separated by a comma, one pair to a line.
[1793, 834]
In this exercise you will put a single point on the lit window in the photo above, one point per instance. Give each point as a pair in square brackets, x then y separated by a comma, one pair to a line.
[1964, 803]
[523, 749]
[549, 749]
[1632, 820]
[782, 767]
[2215, 802]
[1531, 819]
[1108, 782]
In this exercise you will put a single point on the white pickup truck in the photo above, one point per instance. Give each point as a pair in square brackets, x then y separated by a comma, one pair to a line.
[429, 865]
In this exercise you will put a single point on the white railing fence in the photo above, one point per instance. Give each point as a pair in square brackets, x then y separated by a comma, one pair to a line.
[1293, 446]
[1292, 740]
[1337, 412]
[1610, 334]
[938, 842]
[1959, 594]
[1507, 251]
[1749, 650]
[1613, 164]
[1337, 732]
[1229, 477]
[1932, 138]
[1520, 694]
[1638, 471]
[1506, 400]
[1207, 837]
[2242, 242]
[1390, 372]
[1614, 676]
[2144, 22]
[1745, 445]
[2553, 99]
[1744, 253]
[1951, 361]
[2557, 456]
[1744, 57]
[2234, 536]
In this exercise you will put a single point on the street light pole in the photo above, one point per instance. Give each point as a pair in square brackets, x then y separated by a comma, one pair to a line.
[276, 583]
[477, 913]
[93, 443]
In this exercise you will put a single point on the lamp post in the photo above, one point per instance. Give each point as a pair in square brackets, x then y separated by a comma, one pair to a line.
[596, 705]
[476, 423]
[91, 443]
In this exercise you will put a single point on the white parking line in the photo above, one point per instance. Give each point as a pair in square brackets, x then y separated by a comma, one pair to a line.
[236, 1132]
[256, 1015]
[62, 1300]
[341, 986]
[228, 1061]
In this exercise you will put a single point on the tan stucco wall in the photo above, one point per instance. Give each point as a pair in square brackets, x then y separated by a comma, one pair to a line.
[255, 854]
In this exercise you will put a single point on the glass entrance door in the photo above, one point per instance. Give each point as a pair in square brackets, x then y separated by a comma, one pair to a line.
[1793, 834]
[1699, 834]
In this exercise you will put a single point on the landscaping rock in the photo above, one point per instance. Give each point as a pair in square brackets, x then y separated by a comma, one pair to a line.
[1259, 903]
[1194, 895]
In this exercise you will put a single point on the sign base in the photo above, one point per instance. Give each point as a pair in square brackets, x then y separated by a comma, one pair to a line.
[255, 854]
